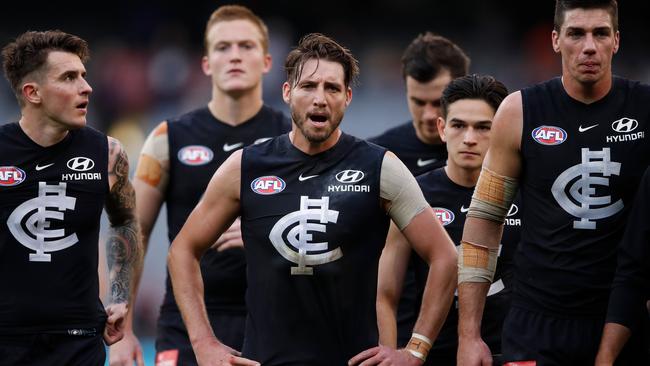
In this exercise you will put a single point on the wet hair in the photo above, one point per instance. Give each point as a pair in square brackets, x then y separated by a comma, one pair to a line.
[481, 87]
[28, 54]
[320, 47]
[237, 12]
[562, 6]
[429, 54]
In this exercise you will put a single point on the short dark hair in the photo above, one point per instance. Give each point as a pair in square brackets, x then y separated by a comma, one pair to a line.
[429, 54]
[320, 47]
[28, 53]
[562, 6]
[236, 12]
[482, 87]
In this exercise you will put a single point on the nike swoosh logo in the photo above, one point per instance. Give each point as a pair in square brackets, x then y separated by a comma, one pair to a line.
[259, 141]
[38, 167]
[463, 209]
[301, 178]
[422, 163]
[583, 129]
[227, 147]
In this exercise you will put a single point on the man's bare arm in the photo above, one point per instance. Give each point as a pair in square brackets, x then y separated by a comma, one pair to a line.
[612, 342]
[216, 211]
[392, 269]
[503, 160]
[430, 240]
[149, 183]
[123, 246]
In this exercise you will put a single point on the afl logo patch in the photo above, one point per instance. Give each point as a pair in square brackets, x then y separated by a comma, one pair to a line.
[269, 184]
[11, 176]
[445, 216]
[549, 135]
[195, 155]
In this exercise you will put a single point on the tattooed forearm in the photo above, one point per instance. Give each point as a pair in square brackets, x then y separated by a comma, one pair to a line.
[122, 199]
[123, 247]
[123, 256]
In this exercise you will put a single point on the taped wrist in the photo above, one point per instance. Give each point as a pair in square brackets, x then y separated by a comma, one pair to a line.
[492, 196]
[419, 346]
[476, 263]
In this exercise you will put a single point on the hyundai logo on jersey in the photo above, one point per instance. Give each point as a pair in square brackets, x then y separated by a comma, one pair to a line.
[549, 135]
[625, 125]
[195, 155]
[269, 184]
[445, 216]
[11, 176]
[349, 176]
[81, 164]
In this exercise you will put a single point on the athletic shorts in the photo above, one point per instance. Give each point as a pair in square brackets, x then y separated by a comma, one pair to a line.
[173, 346]
[553, 340]
[52, 350]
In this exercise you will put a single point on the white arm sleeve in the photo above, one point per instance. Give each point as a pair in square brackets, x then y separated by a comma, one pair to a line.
[401, 190]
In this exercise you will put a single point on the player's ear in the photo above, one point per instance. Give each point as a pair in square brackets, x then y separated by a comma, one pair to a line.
[440, 122]
[555, 41]
[286, 92]
[31, 93]
[205, 65]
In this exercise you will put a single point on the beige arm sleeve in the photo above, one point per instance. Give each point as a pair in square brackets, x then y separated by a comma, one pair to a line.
[401, 190]
[153, 164]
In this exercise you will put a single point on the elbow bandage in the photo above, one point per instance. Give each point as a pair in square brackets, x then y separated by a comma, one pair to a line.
[493, 196]
[476, 263]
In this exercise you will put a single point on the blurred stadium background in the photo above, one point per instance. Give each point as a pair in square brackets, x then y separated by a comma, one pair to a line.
[145, 64]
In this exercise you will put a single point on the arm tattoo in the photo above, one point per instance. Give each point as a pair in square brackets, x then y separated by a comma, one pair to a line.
[123, 249]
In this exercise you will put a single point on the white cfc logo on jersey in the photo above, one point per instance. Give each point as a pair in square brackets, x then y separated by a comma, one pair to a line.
[37, 212]
[314, 214]
[582, 190]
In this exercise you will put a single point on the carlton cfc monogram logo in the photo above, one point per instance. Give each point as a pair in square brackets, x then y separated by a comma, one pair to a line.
[299, 237]
[37, 214]
[582, 190]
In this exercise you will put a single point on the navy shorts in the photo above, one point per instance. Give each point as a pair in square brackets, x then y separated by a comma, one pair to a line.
[173, 345]
[555, 340]
[52, 350]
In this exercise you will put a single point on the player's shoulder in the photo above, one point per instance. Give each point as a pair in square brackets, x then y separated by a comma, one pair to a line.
[432, 177]
[394, 135]
[639, 89]
[8, 129]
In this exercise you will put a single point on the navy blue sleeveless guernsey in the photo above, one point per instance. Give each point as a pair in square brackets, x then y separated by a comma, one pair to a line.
[313, 229]
[198, 144]
[51, 200]
[581, 166]
[450, 203]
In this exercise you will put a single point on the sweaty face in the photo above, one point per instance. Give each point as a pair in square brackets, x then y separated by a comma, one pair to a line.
[587, 42]
[467, 132]
[318, 101]
[235, 57]
[62, 91]
[424, 105]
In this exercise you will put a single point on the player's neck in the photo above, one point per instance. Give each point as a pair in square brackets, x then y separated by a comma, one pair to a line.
[312, 148]
[236, 109]
[461, 176]
[43, 133]
[587, 93]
